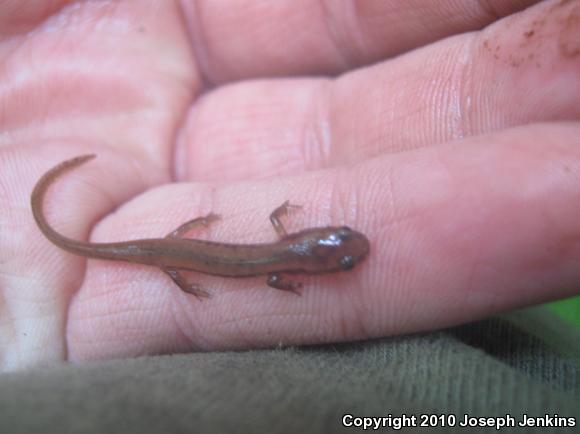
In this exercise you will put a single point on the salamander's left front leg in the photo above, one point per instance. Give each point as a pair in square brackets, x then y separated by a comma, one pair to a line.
[275, 218]
[277, 281]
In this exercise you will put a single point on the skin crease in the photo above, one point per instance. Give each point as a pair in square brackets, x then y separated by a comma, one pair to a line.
[452, 146]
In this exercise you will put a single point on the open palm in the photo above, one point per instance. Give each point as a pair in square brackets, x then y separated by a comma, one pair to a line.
[459, 159]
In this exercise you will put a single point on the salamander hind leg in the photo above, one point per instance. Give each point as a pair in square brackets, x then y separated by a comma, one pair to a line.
[277, 213]
[277, 281]
[187, 226]
[189, 287]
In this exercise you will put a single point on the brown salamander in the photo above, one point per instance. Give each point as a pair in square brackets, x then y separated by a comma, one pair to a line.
[309, 251]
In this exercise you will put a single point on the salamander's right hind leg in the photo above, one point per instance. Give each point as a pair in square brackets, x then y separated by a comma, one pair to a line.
[187, 286]
[176, 275]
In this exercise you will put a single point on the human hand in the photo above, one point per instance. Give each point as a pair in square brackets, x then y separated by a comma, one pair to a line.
[459, 160]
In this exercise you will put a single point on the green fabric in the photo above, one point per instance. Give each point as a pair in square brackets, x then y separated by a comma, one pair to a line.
[568, 309]
[526, 362]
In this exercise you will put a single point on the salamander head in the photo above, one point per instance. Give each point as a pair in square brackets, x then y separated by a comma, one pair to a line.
[324, 250]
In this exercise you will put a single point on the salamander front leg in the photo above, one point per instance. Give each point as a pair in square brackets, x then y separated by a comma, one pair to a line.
[189, 287]
[277, 281]
[275, 218]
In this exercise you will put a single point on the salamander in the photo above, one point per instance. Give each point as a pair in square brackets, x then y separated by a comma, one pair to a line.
[310, 251]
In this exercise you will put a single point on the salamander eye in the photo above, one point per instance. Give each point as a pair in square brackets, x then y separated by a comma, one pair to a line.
[346, 263]
[344, 233]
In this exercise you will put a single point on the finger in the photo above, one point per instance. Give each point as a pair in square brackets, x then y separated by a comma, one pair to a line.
[94, 72]
[247, 39]
[18, 17]
[516, 72]
[457, 232]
